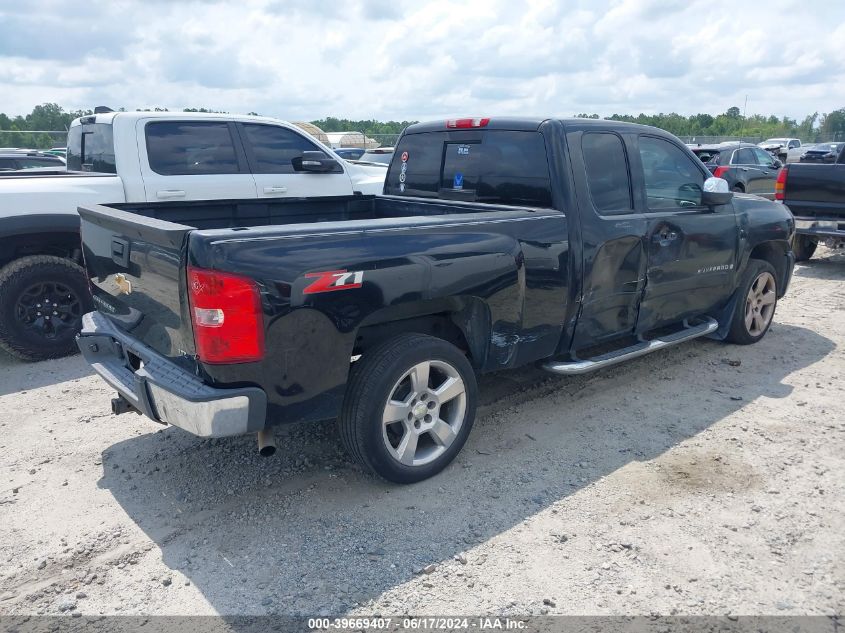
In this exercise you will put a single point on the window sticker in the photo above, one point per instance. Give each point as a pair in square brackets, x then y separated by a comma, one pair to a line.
[458, 182]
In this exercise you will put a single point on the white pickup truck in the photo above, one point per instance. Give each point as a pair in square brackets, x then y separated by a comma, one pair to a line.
[131, 157]
[788, 150]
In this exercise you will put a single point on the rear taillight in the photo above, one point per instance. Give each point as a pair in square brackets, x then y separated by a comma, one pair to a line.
[780, 184]
[719, 171]
[467, 123]
[227, 318]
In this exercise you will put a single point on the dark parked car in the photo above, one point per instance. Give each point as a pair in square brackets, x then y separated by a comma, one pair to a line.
[350, 153]
[822, 153]
[498, 243]
[746, 167]
[12, 161]
[379, 155]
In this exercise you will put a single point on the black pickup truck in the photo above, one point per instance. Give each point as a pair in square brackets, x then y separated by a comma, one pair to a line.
[499, 242]
[815, 193]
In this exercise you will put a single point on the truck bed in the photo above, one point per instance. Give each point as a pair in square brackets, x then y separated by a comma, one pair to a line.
[413, 256]
[229, 214]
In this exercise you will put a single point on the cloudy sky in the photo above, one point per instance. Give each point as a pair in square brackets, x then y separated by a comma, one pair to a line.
[401, 59]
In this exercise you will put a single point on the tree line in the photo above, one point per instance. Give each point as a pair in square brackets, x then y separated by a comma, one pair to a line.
[813, 127]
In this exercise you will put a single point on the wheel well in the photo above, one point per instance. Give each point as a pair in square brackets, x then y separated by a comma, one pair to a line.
[775, 254]
[61, 244]
[438, 325]
[739, 186]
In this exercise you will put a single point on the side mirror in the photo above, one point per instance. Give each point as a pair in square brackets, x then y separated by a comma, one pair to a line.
[716, 192]
[777, 164]
[317, 163]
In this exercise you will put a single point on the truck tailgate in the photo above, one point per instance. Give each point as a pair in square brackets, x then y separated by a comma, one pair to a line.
[136, 267]
[816, 190]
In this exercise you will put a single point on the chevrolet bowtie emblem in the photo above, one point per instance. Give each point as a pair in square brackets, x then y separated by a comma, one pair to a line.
[122, 283]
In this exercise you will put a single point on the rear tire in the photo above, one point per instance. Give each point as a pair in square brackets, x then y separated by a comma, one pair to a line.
[42, 300]
[738, 189]
[803, 247]
[409, 407]
[756, 303]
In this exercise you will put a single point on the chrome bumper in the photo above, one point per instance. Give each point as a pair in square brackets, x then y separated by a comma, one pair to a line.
[822, 228]
[164, 392]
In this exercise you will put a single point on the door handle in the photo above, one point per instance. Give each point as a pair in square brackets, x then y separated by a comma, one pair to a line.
[743, 168]
[120, 251]
[275, 189]
[165, 194]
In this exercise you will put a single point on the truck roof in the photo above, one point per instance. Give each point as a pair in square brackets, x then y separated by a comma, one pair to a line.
[528, 124]
[109, 117]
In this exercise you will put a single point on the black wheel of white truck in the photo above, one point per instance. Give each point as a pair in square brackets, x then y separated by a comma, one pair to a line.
[409, 407]
[42, 300]
[756, 303]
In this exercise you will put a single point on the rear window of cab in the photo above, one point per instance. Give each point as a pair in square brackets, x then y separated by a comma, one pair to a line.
[495, 166]
[708, 157]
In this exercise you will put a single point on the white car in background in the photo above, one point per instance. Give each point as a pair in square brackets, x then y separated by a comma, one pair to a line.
[788, 150]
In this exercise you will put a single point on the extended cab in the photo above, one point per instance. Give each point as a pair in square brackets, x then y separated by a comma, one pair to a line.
[117, 157]
[575, 244]
[815, 193]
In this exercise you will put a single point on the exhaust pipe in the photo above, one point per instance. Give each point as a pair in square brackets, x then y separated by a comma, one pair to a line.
[266, 443]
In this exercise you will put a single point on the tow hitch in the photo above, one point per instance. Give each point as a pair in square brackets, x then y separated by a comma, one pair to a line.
[122, 405]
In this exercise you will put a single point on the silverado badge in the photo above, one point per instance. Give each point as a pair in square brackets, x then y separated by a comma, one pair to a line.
[122, 283]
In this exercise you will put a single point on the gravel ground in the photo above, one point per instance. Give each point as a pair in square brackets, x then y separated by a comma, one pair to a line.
[706, 479]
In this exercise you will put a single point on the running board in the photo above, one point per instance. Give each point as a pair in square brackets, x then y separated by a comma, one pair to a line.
[575, 367]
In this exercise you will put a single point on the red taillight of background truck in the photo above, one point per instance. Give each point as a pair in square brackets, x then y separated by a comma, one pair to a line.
[780, 183]
[226, 315]
[719, 171]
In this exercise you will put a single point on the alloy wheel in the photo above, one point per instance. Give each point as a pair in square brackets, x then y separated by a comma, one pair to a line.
[760, 304]
[424, 413]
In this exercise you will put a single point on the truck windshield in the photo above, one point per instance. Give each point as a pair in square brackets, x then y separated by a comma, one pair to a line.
[90, 147]
[496, 166]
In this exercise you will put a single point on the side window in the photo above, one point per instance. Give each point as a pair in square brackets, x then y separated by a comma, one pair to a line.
[763, 157]
[29, 163]
[90, 147]
[744, 156]
[607, 172]
[274, 147]
[794, 144]
[7, 163]
[672, 179]
[191, 148]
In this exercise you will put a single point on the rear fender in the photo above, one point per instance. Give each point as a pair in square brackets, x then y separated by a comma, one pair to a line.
[463, 321]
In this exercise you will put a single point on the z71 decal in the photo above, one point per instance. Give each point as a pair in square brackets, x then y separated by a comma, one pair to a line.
[332, 280]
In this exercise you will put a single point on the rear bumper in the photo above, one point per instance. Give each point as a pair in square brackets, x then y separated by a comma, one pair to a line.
[163, 391]
[821, 228]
